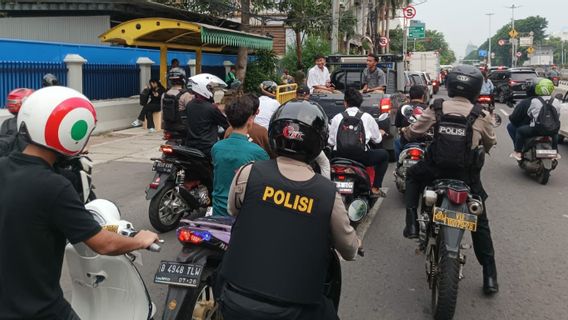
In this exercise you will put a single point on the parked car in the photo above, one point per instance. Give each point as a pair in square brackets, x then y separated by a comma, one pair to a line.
[511, 84]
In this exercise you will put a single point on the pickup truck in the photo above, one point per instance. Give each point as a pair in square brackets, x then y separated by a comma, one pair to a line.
[347, 72]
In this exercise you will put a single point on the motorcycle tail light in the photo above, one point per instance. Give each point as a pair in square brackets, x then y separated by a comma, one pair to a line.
[165, 149]
[385, 105]
[341, 178]
[484, 99]
[186, 235]
[544, 139]
[457, 197]
[155, 184]
[167, 135]
[415, 154]
[512, 82]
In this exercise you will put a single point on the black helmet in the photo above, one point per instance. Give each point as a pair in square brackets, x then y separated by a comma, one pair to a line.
[298, 130]
[49, 80]
[531, 87]
[464, 81]
[176, 76]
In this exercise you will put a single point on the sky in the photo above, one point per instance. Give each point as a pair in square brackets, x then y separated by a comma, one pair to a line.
[464, 21]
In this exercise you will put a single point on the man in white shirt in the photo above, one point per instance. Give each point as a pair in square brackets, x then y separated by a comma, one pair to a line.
[268, 104]
[377, 158]
[319, 80]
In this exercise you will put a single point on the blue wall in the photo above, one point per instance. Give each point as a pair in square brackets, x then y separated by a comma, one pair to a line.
[20, 50]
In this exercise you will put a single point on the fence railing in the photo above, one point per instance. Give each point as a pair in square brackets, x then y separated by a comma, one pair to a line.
[108, 81]
[27, 75]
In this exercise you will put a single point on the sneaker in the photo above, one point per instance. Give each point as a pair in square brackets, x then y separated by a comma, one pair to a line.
[136, 123]
[516, 155]
[151, 130]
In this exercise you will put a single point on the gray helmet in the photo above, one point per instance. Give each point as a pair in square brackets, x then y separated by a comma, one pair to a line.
[268, 86]
[49, 80]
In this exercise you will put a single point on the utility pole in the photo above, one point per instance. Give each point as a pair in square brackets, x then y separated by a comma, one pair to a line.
[335, 27]
[514, 43]
[489, 41]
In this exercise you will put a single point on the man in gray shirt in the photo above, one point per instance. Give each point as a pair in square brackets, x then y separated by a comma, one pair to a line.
[374, 79]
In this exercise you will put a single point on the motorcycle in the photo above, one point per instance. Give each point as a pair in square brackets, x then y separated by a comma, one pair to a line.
[412, 152]
[354, 181]
[182, 184]
[448, 209]
[191, 279]
[488, 103]
[539, 158]
[108, 287]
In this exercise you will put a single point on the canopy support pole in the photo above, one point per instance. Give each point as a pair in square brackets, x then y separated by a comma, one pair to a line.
[198, 59]
[164, 65]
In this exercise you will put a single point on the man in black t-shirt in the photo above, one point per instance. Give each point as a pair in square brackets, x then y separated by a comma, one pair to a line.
[40, 210]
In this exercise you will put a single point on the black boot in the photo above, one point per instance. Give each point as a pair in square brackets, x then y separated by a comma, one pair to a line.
[490, 285]
[411, 229]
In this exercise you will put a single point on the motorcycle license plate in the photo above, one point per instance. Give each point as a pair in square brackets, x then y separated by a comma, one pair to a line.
[546, 153]
[179, 274]
[410, 163]
[345, 187]
[455, 219]
[162, 167]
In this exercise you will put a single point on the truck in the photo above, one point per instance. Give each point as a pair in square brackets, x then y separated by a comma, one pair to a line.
[347, 72]
[426, 61]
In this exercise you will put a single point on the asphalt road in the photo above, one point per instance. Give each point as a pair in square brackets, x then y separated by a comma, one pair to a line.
[528, 221]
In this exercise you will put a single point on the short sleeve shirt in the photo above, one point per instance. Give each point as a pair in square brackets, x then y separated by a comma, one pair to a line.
[39, 211]
[374, 79]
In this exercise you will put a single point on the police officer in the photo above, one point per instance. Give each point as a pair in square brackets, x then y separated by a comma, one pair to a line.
[463, 84]
[288, 217]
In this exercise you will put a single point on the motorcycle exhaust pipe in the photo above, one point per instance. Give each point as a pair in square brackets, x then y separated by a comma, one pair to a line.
[475, 207]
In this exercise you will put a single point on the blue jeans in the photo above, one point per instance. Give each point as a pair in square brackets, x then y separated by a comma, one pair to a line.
[397, 148]
[512, 132]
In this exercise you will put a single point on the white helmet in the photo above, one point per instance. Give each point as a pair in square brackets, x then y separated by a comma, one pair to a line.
[203, 84]
[58, 118]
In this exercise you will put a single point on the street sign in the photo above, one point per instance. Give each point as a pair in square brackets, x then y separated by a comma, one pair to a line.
[513, 33]
[501, 42]
[383, 41]
[416, 30]
[530, 50]
[409, 12]
[482, 53]
[514, 41]
[525, 41]
[518, 54]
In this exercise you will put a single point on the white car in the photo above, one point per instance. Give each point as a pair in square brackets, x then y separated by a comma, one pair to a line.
[562, 90]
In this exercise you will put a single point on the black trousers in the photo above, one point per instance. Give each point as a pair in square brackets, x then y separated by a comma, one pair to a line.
[523, 133]
[422, 174]
[147, 113]
[378, 159]
[236, 305]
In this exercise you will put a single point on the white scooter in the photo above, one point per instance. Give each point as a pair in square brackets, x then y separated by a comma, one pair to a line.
[108, 287]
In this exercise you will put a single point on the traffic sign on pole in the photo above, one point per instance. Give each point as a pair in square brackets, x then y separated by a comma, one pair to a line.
[383, 41]
[518, 54]
[409, 12]
[501, 42]
[417, 30]
[513, 33]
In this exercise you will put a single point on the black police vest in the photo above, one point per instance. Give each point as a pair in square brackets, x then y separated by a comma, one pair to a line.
[280, 241]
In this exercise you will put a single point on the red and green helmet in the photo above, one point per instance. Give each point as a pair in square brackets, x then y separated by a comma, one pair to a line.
[58, 118]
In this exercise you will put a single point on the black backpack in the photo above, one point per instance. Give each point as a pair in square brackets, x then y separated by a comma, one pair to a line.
[170, 107]
[144, 97]
[351, 140]
[548, 120]
[453, 134]
[7, 144]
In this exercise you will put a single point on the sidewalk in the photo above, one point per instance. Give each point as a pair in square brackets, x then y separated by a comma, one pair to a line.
[130, 145]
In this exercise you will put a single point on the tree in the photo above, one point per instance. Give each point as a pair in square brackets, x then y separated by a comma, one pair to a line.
[435, 41]
[312, 47]
[536, 24]
[308, 17]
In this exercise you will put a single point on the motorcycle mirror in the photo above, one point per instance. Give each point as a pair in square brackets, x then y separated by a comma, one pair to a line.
[383, 116]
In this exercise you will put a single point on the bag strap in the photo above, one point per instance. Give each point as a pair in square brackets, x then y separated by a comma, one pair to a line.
[359, 115]
[542, 101]
[437, 106]
[475, 112]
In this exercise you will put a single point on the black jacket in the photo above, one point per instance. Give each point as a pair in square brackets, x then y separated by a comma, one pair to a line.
[203, 122]
[520, 116]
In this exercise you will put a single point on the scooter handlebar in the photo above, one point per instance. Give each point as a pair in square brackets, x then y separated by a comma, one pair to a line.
[154, 247]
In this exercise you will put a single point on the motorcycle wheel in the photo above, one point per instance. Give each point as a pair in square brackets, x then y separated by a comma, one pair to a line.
[544, 176]
[202, 304]
[166, 209]
[502, 97]
[444, 283]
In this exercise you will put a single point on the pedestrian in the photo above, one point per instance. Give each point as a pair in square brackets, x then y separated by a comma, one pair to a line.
[150, 100]
[287, 220]
[286, 78]
[174, 65]
[374, 79]
[268, 103]
[319, 80]
[257, 133]
[41, 211]
[231, 79]
[230, 154]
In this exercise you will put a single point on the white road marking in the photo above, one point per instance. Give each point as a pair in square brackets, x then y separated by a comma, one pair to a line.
[565, 215]
[504, 112]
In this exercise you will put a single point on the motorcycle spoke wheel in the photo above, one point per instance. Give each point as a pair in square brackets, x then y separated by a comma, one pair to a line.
[171, 208]
[445, 284]
[206, 308]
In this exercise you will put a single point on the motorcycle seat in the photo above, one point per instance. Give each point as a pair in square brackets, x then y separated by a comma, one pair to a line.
[534, 140]
[346, 162]
[457, 185]
[190, 152]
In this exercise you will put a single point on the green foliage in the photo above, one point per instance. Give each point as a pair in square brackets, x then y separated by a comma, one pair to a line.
[307, 16]
[435, 42]
[535, 24]
[347, 22]
[312, 47]
[217, 8]
[262, 69]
